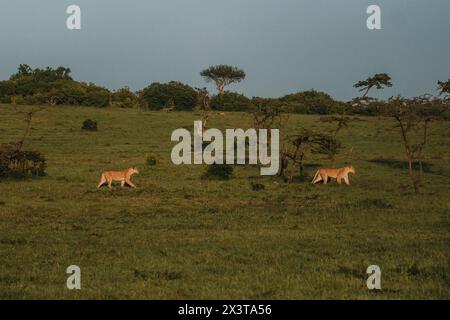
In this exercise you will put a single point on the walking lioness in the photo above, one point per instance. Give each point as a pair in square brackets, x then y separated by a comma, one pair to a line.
[340, 173]
[122, 176]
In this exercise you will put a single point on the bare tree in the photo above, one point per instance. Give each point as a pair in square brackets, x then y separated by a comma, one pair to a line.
[28, 117]
[13, 159]
[414, 117]
[205, 108]
[294, 151]
[268, 117]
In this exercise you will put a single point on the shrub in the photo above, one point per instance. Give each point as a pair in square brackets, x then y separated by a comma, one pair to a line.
[257, 186]
[89, 125]
[18, 164]
[151, 161]
[124, 98]
[179, 95]
[219, 172]
[7, 90]
[231, 101]
[95, 96]
[312, 102]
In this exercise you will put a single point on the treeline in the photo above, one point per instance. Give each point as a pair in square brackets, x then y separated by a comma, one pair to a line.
[56, 87]
[50, 86]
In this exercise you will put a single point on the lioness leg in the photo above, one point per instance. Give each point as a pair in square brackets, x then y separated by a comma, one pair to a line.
[317, 178]
[102, 181]
[110, 183]
[347, 181]
[122, 183]
[339, 180]
[324, 178]
[128, 181]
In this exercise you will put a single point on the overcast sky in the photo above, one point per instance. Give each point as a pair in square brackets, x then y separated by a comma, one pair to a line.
[284, 45]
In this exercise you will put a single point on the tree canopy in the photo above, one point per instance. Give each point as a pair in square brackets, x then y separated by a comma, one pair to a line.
[379, 81]
[169, 95]
[223, 75]
[312, 102]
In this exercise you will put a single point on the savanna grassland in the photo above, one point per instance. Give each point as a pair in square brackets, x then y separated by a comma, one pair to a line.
[179, 236]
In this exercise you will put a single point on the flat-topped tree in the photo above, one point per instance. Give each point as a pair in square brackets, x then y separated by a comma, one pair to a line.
[378, 81]
[223, 76]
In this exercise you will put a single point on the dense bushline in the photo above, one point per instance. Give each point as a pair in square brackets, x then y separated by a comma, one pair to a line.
[231, 101]
[56, 87]
[312, 102]
[173, 95]
[50, 87]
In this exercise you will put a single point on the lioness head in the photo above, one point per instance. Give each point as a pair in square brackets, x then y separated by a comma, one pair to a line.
[351, 169]
[134, 170]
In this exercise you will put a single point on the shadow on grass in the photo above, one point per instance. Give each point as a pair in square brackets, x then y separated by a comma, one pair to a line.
[403, 165]
[309, 170]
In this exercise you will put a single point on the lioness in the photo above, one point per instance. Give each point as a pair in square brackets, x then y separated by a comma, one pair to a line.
[338, 174]
[122, 176]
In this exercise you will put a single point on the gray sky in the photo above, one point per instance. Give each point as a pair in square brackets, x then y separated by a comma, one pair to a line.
[284, 45]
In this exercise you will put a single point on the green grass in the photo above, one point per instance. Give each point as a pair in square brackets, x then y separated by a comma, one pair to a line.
[183, 237]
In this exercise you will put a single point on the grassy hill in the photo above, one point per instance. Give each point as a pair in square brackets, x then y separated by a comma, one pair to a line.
[182, 237]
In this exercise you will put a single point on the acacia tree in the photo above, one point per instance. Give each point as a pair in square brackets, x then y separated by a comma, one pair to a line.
[413, 117]
[294, 151]
[203, 96]
[268, 115]
[14, 160]
[28, 117]
[298, 146]
[223, 75]
[378, 81]
[294, 148]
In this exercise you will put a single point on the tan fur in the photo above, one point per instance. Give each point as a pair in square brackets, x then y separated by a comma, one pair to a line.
[340, 173]
[122, 176]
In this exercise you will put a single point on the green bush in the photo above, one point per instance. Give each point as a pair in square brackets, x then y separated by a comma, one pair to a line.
[96, 96]
[176, 94]
[89, 125]
[124, 98]
[312, 102]
[15, 163]
[50, 86]
[151, 161]
[231, 101]
[257, 186]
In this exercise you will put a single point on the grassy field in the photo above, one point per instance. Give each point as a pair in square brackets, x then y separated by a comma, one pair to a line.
[182, 237]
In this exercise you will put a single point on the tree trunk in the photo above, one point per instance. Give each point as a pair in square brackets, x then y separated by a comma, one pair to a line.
[220, 88]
